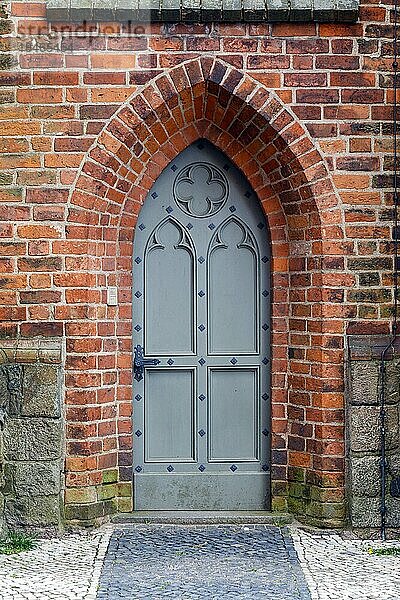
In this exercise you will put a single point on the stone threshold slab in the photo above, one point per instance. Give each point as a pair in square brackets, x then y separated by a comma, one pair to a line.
[204, 11]
[183, 517]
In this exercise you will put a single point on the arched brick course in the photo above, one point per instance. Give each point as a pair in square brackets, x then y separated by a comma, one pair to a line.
[208, 98]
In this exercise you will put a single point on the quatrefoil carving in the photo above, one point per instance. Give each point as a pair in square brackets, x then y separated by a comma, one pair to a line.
[200, 189]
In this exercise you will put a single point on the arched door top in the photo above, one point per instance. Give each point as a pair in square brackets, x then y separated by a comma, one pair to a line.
[201, 280]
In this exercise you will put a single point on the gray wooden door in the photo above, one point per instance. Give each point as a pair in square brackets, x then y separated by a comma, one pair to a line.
[201, 308]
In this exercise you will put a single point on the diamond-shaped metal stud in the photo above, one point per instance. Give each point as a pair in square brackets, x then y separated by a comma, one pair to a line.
[169, 209]
[265, 259]
[138, 260]
[265, 293]
[173, 168]
[170, 361]
[201, 293]
[170, 468]
[226, 167]
[265, 432]
[261, 226]
[265, 467]
[265, 396]
[154, 195]
[138, 397]
[202, 362]
[265, 361]
[189, 226]
[233, 361]
[232, 209]
[137, 327]
[211, 226]
[265, 327]
[248, 194]
[138, 469]
[233, 468]
[200, 146]
[138, 294]
[202, 397]
[202, 468]
[202, 327]
[142, 226]
[202, 432]
[138, 432]
[201, 259]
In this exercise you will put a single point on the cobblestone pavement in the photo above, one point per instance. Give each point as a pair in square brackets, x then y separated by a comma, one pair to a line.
[225, 561]
[342, 569]
[57, 569]
[151, 562]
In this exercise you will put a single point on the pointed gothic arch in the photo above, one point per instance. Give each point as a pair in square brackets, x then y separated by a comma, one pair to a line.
[207, 98]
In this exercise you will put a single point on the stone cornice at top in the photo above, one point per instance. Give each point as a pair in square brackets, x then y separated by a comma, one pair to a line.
[204, 11]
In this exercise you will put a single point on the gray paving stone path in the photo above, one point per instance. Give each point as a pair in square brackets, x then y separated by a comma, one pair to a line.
[151, 562]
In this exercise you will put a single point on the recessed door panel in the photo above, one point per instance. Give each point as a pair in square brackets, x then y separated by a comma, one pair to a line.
[233, 290]
[201, 315]
[233, 415]
[169, 265]
[169, 415]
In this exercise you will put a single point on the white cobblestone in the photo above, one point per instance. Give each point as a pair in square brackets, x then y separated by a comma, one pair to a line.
[342, 569]
[66, 568]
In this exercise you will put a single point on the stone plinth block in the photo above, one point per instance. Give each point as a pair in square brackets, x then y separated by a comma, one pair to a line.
[393, 512]
[35, 478]
[365, 428]
[41, 391]
[365, 512]
[364, 377]
[32, 440]
[40, 511]
[365, 476]
[364, 382]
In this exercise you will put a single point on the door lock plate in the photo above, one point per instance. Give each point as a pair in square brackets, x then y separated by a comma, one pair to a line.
[140, 363]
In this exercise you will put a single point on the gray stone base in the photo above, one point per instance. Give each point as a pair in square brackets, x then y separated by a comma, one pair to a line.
[31, 461]
[364, 435]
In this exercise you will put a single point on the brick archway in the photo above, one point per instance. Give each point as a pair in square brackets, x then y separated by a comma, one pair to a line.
[207, 98]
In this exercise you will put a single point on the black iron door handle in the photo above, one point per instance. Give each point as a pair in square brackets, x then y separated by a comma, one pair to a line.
[139, 363]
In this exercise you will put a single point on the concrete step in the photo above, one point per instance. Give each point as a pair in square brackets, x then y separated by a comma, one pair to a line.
[183, 517]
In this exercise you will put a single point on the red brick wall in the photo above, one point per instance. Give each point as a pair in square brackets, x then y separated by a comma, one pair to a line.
[89, 119]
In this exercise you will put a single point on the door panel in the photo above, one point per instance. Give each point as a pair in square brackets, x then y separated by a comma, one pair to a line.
[200, 491]
[233, 290]
[234, 433]
[201, 290]
[170, 416]
[169, 313]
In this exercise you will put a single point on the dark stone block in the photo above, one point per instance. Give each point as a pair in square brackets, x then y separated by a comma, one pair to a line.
[40, 511]
[84, 512]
